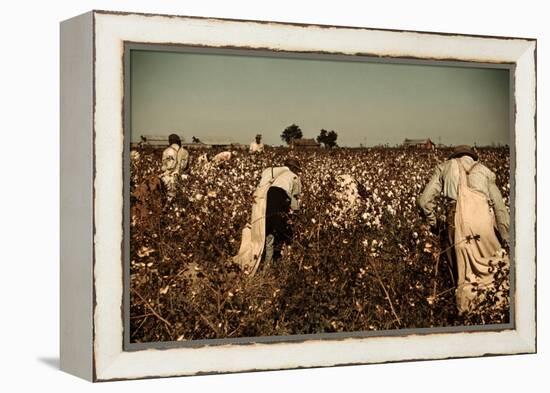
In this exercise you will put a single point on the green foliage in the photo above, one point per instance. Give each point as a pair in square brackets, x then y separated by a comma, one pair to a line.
[291, 132]
[328, 138]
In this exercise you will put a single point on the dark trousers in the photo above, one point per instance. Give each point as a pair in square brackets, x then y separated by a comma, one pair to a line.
[277, 219]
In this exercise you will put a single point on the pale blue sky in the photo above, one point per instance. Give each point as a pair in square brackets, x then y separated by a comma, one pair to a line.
[236, 97]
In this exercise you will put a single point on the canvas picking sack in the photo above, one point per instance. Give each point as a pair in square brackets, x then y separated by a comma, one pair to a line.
[476, 245]
[253, 235]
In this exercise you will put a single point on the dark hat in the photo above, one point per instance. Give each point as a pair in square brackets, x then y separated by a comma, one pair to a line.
[293, 164]
[463, 150]
[174, 139]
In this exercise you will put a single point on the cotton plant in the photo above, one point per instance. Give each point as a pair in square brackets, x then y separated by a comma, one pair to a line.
[341, 244]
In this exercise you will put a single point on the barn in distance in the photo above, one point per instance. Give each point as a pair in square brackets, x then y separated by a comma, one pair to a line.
[302, 144]
[419, 143]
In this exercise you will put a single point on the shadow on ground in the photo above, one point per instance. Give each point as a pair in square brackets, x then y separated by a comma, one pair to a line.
[52, 362]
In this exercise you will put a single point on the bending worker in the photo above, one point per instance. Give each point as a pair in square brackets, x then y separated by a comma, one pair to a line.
[277, 195]
[477, 220]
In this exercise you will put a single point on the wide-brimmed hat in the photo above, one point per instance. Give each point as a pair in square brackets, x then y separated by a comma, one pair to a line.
[293, 164]
[464, 150]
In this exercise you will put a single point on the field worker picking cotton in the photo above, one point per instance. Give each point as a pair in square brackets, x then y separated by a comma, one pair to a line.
[276, 197]
[257, 146]
[208, 161]
[174, 161]
[222, 157]
[349, 196]
[477, 222]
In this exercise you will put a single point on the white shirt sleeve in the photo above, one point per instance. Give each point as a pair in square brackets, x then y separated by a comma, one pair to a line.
[169, 159]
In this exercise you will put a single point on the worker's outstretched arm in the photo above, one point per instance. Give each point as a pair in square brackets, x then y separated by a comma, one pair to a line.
[426, 201]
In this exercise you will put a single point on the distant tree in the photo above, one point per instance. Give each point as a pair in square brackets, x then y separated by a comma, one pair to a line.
[332, 136]
[291, 132]
[322, 136]
[196, 140]
[328, 138]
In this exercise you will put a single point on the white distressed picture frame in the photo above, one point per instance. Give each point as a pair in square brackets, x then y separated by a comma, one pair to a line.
[92, 147]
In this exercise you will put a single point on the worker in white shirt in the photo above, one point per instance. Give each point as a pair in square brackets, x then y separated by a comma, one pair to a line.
[221, 157]
[174, 161]
[477, 220]
[257, 146]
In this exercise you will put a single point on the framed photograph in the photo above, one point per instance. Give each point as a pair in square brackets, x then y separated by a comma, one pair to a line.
[246, 195]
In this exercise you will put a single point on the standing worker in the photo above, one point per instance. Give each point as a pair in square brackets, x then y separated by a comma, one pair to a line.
[257, 146]
[174, 161]
[474, 208]
[277, 195]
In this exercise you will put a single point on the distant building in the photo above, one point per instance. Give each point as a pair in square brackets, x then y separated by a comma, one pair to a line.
[239, 146]
[161, 141]
[304, 144]
[195, 146]
[217, 145]
[419, 143]
[155, 141]
[217, 142]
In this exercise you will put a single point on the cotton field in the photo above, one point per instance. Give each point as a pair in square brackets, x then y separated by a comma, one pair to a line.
[361, 258]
